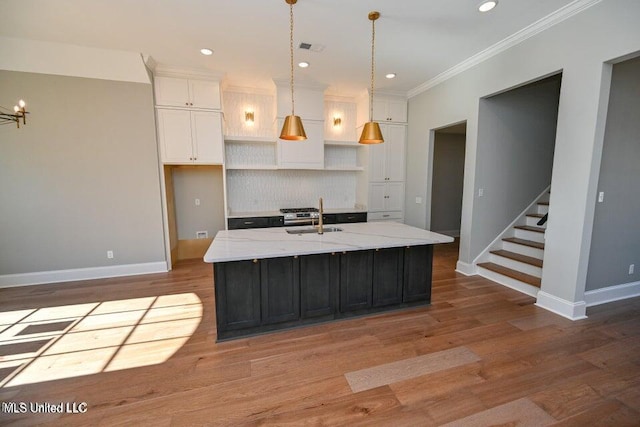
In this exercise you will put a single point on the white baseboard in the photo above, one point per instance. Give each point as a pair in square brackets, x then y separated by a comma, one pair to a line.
[568, 309]
[612, 293]
[56, 276]
[466, 269]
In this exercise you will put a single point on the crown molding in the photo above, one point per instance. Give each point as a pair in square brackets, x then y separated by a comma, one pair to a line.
[247, 90]
[537, 27]
[180, 72]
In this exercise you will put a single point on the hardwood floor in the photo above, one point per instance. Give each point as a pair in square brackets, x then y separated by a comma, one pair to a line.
[141, 351]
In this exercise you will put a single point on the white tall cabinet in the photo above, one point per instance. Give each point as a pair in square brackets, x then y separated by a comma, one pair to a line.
[190, 142]
[387, 161]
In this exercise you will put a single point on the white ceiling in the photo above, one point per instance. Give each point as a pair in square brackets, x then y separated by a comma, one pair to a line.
[417, 39]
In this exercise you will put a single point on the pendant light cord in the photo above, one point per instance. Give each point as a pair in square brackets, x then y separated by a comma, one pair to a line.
[373, 40]
[291, 54]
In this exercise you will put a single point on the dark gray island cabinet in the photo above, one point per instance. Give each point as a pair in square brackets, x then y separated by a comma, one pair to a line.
[269, 293]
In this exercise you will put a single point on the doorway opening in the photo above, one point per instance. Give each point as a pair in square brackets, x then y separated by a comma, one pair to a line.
[447, 179]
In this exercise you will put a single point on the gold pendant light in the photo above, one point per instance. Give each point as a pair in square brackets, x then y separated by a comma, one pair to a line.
[292, 129]
[371, 133]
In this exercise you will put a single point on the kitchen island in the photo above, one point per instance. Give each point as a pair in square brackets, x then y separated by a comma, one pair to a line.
[276, 278]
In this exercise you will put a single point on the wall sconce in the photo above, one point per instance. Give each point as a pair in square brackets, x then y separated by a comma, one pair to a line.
[337, 122]
[248, 117]
[19, 113]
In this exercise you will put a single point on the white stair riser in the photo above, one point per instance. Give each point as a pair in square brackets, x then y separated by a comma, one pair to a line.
[530, 235]
[523, 250]
[533, 221]
[543, 209]
[522, 267]
[509, 282]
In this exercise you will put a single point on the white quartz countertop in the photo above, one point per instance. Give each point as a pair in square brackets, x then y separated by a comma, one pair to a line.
[256, 243]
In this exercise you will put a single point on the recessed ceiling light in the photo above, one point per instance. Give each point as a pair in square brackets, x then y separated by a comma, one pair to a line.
[206, 51]
[486, 6]
[303, 64]
[390, 75]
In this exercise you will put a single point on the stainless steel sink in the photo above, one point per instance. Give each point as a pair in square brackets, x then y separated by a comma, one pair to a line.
[311, 230]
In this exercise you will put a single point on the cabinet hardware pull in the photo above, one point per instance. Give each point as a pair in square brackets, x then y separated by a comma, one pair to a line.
[295, 257]
[386, 216]
[344, 252]
[186, 103]
[248, 222]
[255, 261]
[333, 253]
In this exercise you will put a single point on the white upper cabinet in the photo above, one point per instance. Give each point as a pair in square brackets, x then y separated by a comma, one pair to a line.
[190, 137]
[386, 108]
[387, 160]
[389, 109]
[307, 154]
[187, 93]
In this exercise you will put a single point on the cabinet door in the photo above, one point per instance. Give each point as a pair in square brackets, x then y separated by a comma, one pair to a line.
[280, 285]
[172, 92]
[397, 110]
[395, 137]
[380, 113]
[387, 276]
[319, 279]
[377, 154]
[377, 196]
[307, 154]
[237, 290]
[394, 196]
[174, 133]
[207, 137]
[356, 280]
[417, 273]
[204, 94]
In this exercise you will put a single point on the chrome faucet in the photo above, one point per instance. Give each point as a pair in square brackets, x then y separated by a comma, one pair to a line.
[320, 215]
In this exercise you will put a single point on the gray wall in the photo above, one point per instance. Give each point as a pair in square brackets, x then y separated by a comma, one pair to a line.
[615, 241]
[516, 139]
[204, 183]
[81, 177]
[447, 183]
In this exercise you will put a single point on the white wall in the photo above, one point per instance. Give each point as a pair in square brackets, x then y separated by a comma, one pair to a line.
[615, 243]
[205, 184]
[81, 178]
[579, 47]
[516, 139]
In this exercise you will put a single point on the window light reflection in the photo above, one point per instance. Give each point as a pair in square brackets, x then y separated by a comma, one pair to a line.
[96, 337]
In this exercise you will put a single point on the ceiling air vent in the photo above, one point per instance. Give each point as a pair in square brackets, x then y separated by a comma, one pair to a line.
[312, 47]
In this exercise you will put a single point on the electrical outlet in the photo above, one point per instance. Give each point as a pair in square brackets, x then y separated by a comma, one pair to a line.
[202, 234]
[632, 268]
[480, 192]
[197, 202]
[418, 200]
[110, 254]
[601, 197]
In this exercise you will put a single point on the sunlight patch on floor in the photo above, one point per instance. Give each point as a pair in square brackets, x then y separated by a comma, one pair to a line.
[60, 342]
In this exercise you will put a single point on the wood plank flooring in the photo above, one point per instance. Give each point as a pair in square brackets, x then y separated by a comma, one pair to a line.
[505, 361]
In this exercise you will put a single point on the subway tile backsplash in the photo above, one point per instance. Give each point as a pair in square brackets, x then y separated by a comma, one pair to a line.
[260, 190]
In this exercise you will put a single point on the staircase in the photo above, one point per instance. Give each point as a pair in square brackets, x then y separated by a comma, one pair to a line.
[515, 258]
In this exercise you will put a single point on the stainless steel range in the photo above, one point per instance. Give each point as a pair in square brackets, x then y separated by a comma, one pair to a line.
[300, 216]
